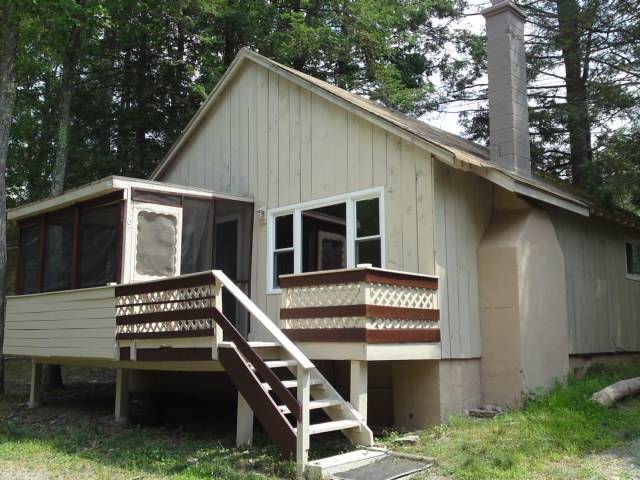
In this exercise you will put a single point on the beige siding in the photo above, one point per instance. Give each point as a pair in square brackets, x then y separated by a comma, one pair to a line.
[280, 143]
[463, 209]
[77, 323]
[603, 304]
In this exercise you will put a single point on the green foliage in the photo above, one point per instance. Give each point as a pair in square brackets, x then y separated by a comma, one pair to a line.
[145, 67]
[561, 427]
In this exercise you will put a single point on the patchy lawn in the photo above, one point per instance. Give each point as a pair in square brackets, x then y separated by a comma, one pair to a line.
[73, 436]
[563, 435]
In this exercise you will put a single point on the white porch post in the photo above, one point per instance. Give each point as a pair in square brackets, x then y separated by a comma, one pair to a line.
[302, 432]
[359, 384]
[122, 395]
[244, 423]
[35, 392]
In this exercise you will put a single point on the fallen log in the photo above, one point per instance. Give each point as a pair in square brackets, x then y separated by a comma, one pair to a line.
[617, 391]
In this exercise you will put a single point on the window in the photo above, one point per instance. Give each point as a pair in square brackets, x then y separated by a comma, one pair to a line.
[58, 251]
[633, 259]
[283, 248]
[29, 268]
[335, 233]
[98, 246]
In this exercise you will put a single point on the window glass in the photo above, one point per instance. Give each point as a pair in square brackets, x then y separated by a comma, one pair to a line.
[58, 252]
[284, 231]
[98, 249]
[368, 251]
[197, 235]
[368, 217]
[156, 197]
[282, 265]
[633, 258]
[324, 238]
[30, 258]
[156, 244]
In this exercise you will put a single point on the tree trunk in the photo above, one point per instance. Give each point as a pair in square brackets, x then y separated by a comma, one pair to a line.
[578, 118]
[7, 101]
[53, 373]
[619, 390]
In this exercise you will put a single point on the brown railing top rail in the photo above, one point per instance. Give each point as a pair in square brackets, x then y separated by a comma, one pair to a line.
[359, 274]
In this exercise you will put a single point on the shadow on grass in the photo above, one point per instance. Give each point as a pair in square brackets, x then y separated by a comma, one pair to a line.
[77, 422]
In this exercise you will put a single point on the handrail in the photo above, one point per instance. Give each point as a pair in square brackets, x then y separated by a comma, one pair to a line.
[266, 322]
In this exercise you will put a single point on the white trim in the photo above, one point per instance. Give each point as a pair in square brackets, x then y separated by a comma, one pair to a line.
[296, 210]
[636, 242]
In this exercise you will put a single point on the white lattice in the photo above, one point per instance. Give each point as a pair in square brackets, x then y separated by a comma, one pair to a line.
[166, 301]
[170, 326]
[323, 295]
[401, 296]
[357, 322]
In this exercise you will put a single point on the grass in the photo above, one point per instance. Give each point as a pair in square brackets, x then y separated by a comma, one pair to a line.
[548, 439]
[73, 437]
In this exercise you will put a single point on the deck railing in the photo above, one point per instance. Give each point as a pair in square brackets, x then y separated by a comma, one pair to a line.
[362, 305]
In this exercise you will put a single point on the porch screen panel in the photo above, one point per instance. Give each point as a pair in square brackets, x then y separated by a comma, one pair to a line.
[30, 258]
[98, 250]
[58, 252]
[197, 235]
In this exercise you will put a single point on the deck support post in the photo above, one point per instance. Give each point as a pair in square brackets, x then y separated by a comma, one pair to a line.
[122, 395]
[244, 423]
[35, 392]
[302, 432]
[359, 385]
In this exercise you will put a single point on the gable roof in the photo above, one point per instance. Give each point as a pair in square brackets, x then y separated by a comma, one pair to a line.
[451, 149]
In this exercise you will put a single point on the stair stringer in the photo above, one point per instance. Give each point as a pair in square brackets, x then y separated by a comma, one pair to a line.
[264, 407]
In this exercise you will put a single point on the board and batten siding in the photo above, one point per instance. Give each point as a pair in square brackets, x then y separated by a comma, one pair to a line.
[75, 323]
[463, 205]
[603, 303]
[282, 144]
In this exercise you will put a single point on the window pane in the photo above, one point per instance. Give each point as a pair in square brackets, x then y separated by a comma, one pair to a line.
[284, 231]
[30, 258]
[58, 252]
[368, 251]
[156, 197]
[98, 254]
[156, 244]
[282, 265]
[197, 235]
[324, 238]
[368, 217]
[633, 259]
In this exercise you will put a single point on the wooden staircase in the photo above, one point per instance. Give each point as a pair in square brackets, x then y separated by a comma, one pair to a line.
[278, 382]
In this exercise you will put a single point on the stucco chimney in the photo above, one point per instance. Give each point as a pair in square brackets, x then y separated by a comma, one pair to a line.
[508, 114]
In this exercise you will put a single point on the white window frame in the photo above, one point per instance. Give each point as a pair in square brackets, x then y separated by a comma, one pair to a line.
[636, 242]
[296, 210]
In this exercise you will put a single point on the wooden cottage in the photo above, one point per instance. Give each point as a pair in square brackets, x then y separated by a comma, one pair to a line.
[294, 225]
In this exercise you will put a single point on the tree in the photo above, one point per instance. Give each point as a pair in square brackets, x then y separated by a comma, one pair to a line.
[7, 100]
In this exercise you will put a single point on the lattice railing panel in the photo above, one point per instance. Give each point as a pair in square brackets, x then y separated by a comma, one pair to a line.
[357, 322]
[323, 295]
[401, 296]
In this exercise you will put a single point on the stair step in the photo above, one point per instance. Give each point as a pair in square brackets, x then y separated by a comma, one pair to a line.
[315, 404]
[332, 426]
[281, 363]
[257, 344]
[291, 384]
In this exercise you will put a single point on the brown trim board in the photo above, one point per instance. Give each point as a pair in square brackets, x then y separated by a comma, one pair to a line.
[207, 332]
[368, 275]
[363, 335]
[371, 311]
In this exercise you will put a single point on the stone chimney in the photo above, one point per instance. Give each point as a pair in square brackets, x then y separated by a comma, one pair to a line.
[508, 114]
